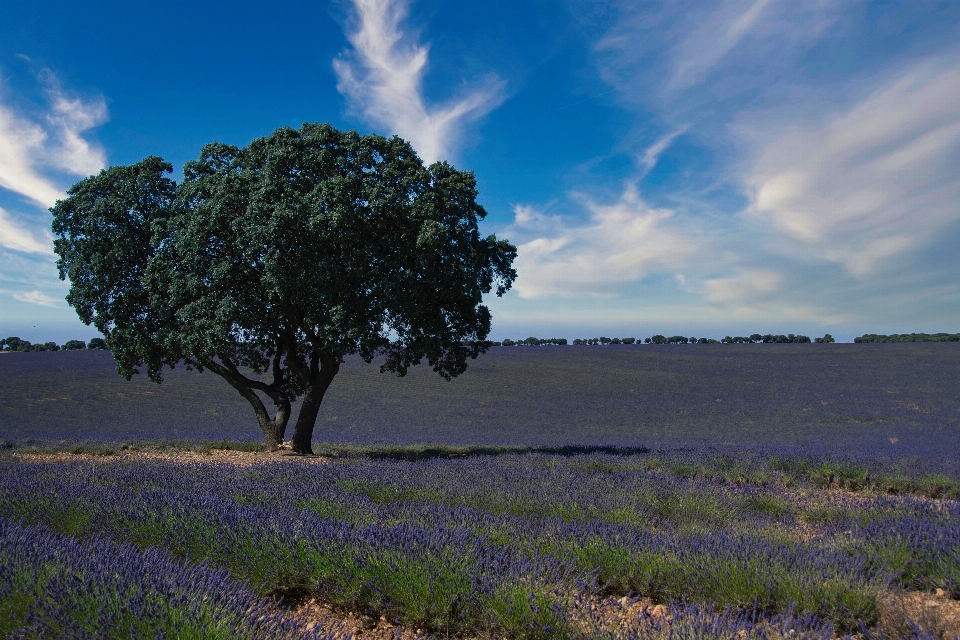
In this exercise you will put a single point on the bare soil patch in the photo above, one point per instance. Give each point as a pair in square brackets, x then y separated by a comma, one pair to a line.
[213, 456]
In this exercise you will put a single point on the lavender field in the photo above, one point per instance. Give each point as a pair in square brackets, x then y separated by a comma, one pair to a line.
[734, 491]
[896, 400]
[518, 546]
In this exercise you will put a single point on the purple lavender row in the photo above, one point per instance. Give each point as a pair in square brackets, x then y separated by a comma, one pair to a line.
[481, 528]
[57, 586]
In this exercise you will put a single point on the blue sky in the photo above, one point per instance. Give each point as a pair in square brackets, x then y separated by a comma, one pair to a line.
[702, 168]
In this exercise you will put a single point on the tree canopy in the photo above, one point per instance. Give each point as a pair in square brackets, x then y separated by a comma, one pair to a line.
[281, 258]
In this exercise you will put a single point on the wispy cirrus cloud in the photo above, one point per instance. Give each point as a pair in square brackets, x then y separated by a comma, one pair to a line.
[821, 151]
[39, 146]
[688, 55]
[869, 184]
[33, 145]
[746, 287]
[621, 243]
[16, 237]
[38, 298]
[382, 78]
[704, 47]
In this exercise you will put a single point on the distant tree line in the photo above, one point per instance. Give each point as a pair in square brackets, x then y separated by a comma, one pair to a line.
[13, 343]
[529, 342]
[661, 339]
[909, 337]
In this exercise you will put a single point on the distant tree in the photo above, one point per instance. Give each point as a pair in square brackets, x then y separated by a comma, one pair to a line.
[13, 343]
[579, 341]
[647, 340]
[615, 341]
[727, 340]
[74, 345]
[826, 339]
[97, 344]
[677, 340]
[628, 340]
[909, 337]
[532, 342]
[756, 337]
[605, 340]
[283, 257]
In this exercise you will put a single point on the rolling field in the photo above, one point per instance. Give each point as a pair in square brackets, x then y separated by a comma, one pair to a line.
[734, 491]
[895, 400]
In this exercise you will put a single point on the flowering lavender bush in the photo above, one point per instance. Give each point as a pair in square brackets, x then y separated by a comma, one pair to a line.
[510, 542]
[56, 586]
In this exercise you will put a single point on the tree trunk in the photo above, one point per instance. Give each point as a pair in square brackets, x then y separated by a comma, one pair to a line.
[273, 429]
[307, 418]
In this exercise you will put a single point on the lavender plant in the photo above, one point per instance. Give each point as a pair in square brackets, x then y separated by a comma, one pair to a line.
[57, 586]
[509, 542]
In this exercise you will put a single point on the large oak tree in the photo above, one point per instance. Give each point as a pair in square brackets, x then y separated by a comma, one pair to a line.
[268, 264]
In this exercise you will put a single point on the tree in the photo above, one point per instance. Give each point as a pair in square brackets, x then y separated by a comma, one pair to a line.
[14, 343]
[281, 258]
[98, 344]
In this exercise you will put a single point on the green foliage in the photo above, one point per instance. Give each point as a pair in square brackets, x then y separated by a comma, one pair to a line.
[13, 343]
[283, 257]
[909, 337]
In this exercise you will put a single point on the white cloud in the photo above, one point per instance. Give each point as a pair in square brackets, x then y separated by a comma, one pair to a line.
[382, 78]
[21, 145]
[687, 57]
[53, 141]
[648, 160]
[620, 244]
[707, 45]
[868, 185]
[746, 288]
[16, 237]
[69, 117]
[37, 298]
